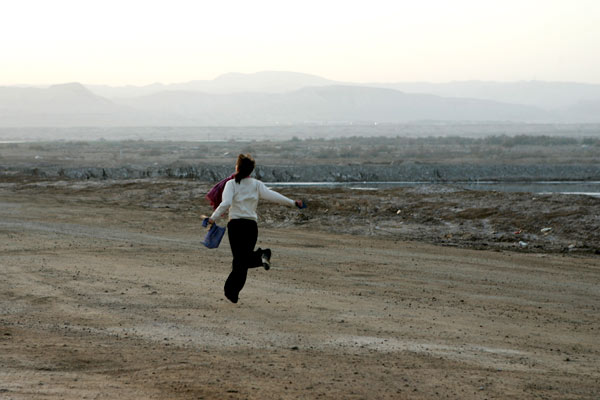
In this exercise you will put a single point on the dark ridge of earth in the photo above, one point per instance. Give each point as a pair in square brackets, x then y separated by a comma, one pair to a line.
[405, 172]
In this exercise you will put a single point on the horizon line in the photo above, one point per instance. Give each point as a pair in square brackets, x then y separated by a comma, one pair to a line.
[333, 81]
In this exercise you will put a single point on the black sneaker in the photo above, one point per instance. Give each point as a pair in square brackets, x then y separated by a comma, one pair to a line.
[266, 259]
[233, 299]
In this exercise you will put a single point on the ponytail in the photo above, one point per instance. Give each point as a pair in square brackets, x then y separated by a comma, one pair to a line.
[245, 165]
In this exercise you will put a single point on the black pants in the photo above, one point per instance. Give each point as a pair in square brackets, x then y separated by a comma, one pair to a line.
[242, 239]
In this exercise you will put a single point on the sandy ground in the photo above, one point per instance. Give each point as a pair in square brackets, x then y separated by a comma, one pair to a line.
[107, 293]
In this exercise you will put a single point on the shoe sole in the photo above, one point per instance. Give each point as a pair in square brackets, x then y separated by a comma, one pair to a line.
[266, 259]
[266, 265]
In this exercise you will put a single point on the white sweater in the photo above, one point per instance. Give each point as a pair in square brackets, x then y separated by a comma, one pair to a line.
[242, 199]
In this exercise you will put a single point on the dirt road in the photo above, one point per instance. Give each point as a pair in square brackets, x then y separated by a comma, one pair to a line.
[100, 300]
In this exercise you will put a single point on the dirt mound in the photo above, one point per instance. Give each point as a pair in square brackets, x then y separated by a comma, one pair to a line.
[433, 214]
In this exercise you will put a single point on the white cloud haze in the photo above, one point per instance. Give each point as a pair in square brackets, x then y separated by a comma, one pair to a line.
[141, 42]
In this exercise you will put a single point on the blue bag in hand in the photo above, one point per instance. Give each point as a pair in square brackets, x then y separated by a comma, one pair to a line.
[213, 236]
[302, 205]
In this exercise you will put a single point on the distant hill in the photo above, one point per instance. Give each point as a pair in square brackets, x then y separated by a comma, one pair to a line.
[584, 111]
[68, 97]
[59, 105]
[548, 95]
[273, 98]
[259, 82]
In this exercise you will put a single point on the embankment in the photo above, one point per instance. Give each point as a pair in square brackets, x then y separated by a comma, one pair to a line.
[406, 172]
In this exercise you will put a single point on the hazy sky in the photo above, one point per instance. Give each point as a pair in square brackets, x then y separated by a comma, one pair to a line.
[141, 42]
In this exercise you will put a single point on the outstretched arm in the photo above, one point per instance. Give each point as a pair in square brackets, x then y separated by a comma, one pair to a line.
[227, 198]
[271, 195]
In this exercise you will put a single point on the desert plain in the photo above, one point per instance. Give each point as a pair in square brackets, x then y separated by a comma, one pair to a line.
[106, 292]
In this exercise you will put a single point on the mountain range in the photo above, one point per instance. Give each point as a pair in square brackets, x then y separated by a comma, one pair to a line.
[284, 98]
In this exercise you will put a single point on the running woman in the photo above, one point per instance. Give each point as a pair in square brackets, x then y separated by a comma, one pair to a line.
[240, 197]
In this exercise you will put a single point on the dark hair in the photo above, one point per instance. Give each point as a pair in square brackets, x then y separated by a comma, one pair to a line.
[245, 165]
